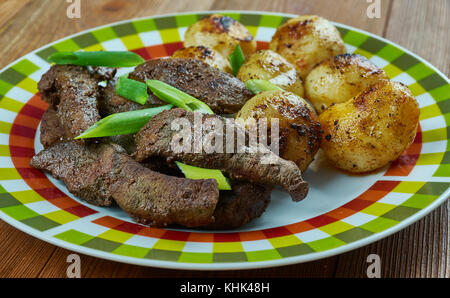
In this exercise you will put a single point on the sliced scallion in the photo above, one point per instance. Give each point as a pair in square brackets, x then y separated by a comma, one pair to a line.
[178, 98]
[237, 58]
[196, 173]
[122, 123]
[132, 90]
[257, 86]
[100, 58]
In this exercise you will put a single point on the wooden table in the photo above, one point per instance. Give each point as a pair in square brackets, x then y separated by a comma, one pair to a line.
[421, 250]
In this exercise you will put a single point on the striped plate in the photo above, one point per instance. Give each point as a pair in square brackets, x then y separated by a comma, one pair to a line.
[341, 212]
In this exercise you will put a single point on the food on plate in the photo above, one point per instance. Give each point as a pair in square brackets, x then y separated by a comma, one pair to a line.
[132, 90]
[271, 66]
[299, 126]
[220, 33]
[101, 174]
[51, 130]
[307, 40]
[338, 79]
[74, 91]
[110, 102]
[244, 163]
[177, 97]
[97, 58]
[237, 58]
[372, 129]
[205, 54]
[100, 171]
[223, 93]
[121, 123]
[111, 140]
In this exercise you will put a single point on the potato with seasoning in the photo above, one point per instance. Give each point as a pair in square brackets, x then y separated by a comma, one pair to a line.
[220, 33]
[340, 78]
[299, 127]
[372, 129]
[271, 66]
[307, 40]
[209, 56]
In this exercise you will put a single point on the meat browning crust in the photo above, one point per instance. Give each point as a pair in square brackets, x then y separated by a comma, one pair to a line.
[73, 92]
[51, 130]
[258, 166]
[223, 93]
[103, 172]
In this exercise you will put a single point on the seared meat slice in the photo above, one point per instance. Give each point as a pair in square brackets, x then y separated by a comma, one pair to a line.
[100, 173]
[111, 103]
[51, 129]
[79, 168]
[223, 93]
[258, 166]
[73, 91]
[52, 132]
[237, 207]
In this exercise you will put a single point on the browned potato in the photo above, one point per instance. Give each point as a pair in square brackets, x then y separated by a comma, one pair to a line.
[340, 78]
[306, 41]
[299, 127]
[220, 33]
[211, 57]
[372, 129]
[270, 66]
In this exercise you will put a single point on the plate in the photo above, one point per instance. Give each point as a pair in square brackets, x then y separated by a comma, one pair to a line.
[341, 212]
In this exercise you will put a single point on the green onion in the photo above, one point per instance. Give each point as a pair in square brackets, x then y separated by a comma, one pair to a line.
[180, 99]
[101, 58]
[133, 90]
[122, 123]
[177, 97]
[237, 58]
[257, 86]
[196, 173]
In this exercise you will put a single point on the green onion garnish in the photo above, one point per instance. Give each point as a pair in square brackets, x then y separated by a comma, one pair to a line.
[178, 98]
[133, 90]
[196, 173]
[101, 58]
[257, 86]
[122, 123]
[237, 58]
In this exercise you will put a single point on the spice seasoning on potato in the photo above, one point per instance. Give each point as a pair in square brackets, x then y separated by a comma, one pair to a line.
[205, 54]
[220, 33]
[340, 78]
[299, 126]
[307, 40]
[271, 66]
[372, 129]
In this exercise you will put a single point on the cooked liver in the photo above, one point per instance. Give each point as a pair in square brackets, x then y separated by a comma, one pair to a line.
[223, 93]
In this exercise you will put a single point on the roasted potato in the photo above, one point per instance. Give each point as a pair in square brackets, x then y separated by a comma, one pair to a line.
[340, 78]
[209, 56]
[372, 129]
[270, 66]
[299, 128]
[306, 41]
[220, 33]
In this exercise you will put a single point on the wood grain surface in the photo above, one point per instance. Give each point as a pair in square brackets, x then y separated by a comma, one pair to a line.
[421, 250]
